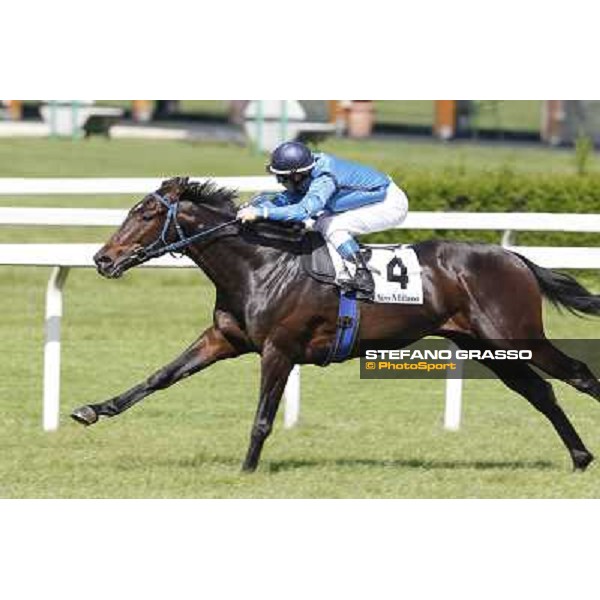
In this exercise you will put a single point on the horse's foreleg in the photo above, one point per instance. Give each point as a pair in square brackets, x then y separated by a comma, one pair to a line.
[209, 348]
[275, 369]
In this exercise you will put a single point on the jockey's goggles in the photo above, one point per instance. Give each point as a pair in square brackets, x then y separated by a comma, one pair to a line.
[300, 173]
[290, 176]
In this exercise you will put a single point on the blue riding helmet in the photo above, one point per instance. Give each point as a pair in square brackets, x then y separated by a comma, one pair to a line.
[291, 163]
[291, 157]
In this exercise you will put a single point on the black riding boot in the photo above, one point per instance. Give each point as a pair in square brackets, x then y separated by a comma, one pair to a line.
[362, 280]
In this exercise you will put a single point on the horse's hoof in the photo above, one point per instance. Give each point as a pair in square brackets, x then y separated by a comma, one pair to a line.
[581, 460]
[85, 415]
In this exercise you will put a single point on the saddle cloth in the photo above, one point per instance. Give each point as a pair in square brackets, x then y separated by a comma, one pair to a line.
[395, 269]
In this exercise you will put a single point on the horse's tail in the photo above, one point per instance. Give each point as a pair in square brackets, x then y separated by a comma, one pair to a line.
[563, 290]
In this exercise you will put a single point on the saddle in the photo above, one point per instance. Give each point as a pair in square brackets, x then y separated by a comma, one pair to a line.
[316, 259]
[395, 269]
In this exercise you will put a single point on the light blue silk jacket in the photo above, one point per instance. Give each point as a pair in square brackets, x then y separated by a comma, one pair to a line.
[336, 186]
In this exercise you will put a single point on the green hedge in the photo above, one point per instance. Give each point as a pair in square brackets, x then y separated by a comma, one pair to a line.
[497, 191]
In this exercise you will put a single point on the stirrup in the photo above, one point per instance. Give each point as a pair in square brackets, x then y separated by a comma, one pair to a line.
[361, 293]
[358, 293]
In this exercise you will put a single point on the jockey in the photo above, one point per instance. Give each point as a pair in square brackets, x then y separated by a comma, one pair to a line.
[345, 198]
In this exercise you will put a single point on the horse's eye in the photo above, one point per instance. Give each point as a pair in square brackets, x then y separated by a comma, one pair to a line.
[147, 217]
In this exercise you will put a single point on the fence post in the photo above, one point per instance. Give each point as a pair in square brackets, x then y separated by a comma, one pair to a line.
[53, 118]
[15, 109]
[54, 304]
[284, 121]
[74, 119]
[454, 386]
[260, 125]
[445, 119]
[141, 111]
[291, 412]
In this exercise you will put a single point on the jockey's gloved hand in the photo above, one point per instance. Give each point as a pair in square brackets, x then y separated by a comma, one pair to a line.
[258, 199]
[247, 214]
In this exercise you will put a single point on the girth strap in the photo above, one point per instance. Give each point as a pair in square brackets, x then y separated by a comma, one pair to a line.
[347, 328]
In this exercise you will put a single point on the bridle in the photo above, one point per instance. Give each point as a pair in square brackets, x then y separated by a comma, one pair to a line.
[160, 246]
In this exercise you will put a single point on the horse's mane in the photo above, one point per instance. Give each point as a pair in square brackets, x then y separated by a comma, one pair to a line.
[284, 236]
[207, 193]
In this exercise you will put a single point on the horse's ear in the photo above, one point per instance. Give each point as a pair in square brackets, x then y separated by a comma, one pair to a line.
[180, 183]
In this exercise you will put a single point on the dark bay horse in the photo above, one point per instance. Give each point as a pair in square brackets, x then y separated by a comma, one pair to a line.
[479, 296]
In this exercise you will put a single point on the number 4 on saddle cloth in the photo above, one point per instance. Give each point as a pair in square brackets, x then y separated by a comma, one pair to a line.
[395, 269]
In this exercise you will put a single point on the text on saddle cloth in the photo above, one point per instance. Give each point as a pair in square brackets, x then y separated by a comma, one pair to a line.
[395, 269]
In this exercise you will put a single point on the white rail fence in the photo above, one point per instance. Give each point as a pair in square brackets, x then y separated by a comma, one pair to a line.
[62, 257]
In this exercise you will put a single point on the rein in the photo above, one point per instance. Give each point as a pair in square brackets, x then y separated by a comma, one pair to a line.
[154, 249]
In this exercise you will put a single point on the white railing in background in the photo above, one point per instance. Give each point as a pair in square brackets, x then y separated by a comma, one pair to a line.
[119, 185]
[65, 256]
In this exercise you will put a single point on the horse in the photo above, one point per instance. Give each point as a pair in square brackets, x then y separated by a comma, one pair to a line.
[266, 303]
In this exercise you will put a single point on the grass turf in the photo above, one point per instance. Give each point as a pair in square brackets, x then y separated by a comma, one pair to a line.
[356, 438]
[98, 157]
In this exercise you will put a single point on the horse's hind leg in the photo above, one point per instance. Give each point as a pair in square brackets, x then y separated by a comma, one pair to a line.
[510, 325]
[210, 347]
[525, 381]
[557, 364]
[521, 378]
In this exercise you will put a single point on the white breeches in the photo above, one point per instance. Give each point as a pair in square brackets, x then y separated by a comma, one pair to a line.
[390, 212]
